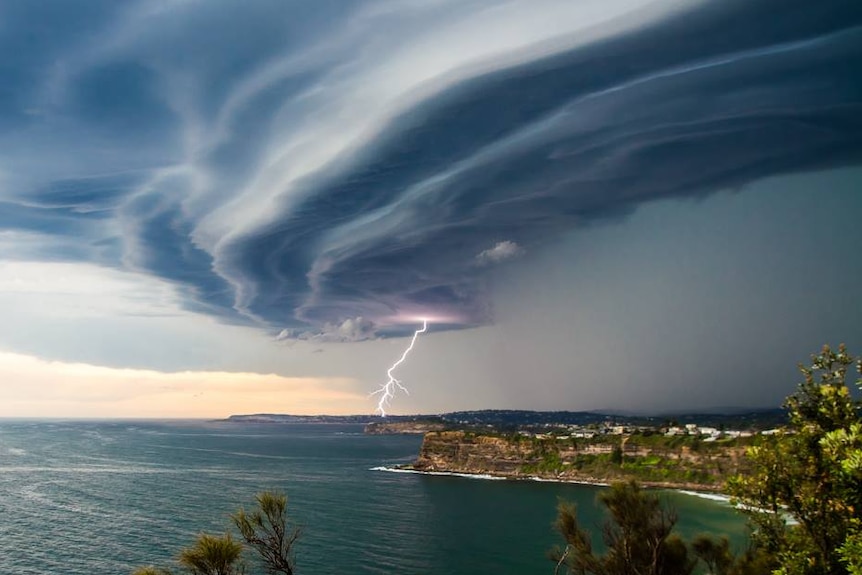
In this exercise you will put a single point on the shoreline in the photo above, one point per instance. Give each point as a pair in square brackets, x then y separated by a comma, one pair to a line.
[696, 489]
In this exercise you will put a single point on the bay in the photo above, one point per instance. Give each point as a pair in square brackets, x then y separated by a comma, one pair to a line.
[102, 497]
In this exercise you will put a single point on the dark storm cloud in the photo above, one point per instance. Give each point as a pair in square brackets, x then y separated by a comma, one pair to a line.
[317, 169]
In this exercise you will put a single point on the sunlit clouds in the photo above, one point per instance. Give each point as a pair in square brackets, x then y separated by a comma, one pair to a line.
[30, 387]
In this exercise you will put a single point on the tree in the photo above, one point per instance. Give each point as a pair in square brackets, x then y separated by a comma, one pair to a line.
[267, 531]
[715, 553]
[640, 541]
[211, 555]
[638, 537]
[151, 570]
[811, 471]
[208, 555]
[617, 455]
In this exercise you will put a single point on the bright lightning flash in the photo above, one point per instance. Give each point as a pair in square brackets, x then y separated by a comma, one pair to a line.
[388, 389]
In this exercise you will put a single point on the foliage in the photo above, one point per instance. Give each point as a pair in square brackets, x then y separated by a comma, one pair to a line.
[640, 541]
[851, 551]
[151, 570]
[265, 529]
[715, 553]
[268, 532]
[617, 455]
[211, 555]
[812, 472]
[208, 555]
[638, 537]
[648, 458]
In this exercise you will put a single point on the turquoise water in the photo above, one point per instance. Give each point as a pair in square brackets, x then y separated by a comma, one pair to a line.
[98, 498]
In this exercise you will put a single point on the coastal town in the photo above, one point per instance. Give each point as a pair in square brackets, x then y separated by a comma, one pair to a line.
[707, 434]
[675, 452]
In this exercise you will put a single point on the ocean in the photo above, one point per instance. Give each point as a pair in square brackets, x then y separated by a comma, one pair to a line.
[102, 497]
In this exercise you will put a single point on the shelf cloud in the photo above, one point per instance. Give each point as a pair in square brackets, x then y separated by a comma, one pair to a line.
[332, 170]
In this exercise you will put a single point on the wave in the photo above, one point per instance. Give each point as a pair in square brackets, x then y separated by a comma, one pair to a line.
[444, 473]
[717, 497]
[149, 469]
[19, 469]
[487, 476]
[704, 495]
[788, 518]
[573, 481]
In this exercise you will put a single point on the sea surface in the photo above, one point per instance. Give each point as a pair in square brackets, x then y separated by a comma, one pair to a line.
[102, 497]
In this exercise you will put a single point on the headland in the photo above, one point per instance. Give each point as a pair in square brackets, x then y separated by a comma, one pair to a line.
[696, 452]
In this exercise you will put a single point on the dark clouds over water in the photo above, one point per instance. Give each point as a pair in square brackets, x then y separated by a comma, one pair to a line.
[302, 165]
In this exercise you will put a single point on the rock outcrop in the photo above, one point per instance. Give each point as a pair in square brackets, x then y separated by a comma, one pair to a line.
[402, 427]
[565, 459]
[465, 452]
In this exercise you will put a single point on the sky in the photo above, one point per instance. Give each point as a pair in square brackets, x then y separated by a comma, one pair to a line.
[209, 208]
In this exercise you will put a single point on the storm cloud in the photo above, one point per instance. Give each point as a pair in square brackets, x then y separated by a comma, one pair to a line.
[333, 171]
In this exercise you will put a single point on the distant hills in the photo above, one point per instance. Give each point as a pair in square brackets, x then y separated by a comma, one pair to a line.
[516, 418]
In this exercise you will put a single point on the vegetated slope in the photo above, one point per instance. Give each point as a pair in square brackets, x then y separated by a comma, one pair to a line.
[653, 459]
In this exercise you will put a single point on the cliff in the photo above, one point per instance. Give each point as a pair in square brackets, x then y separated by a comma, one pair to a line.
[654, 461]
[399, 427]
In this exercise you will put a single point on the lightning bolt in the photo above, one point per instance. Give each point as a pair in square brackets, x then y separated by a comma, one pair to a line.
[388, 389]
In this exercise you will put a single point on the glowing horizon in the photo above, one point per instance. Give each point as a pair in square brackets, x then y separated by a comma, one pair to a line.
[31, 387]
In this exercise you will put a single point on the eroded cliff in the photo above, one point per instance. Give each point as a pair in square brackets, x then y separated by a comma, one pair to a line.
[657, 462]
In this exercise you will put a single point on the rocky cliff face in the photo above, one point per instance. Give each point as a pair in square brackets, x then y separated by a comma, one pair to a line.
[573, 460]
[466, 452]
[402, 427]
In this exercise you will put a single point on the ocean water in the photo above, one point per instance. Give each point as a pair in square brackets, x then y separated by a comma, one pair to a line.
[99, 498]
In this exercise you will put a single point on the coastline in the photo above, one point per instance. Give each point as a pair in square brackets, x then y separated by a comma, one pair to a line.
[709, 491]
[654, 462]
